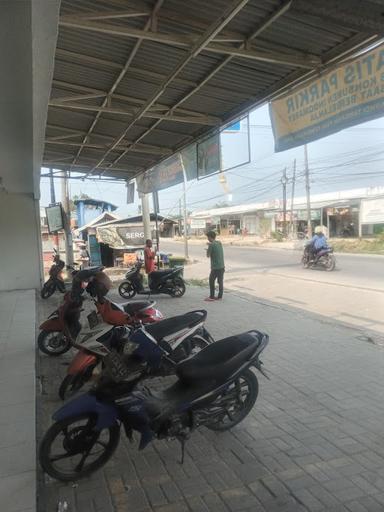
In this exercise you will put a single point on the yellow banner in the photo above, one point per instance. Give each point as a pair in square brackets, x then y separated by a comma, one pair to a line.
[348, 95]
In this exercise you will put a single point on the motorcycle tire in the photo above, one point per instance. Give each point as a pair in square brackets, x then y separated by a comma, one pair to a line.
[44, 344]
[178, 288]
[126, 290]
[330, 263]
[250, 380]
[48, 289]
[71, 384]
[47, 461]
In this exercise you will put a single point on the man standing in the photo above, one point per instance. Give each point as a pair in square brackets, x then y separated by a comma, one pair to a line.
[149, 257]
[216, 254]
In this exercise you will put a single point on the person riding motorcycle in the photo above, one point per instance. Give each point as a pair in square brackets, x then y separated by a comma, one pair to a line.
[317, 243]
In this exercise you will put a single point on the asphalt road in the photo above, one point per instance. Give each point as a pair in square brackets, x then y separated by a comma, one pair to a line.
[352, 294]
[359, 271]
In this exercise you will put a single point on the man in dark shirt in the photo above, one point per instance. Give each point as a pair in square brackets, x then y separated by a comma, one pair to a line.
[216, 254]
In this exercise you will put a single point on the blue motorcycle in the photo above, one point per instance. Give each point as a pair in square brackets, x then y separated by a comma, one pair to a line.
[215, 388]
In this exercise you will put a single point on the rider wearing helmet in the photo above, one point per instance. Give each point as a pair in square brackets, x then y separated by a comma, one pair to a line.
[317, 242]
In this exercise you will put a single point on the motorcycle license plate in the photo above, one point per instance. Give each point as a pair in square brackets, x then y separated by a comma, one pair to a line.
[94, 319]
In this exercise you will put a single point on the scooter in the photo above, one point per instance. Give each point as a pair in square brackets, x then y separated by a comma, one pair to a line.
[64, 324]
[167, 281]
[215, 388]
[323, 259]
[55, 281]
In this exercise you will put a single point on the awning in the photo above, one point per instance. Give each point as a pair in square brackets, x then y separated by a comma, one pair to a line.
[135, 83]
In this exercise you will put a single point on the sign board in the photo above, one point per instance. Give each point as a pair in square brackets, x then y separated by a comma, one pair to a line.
[372, 211]
[198, 223]
[121, 237]
[208, 156]
[54, 215]
[302, 214]
[350, 94]
[169, 173]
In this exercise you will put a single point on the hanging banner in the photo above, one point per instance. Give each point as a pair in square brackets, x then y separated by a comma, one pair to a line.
[208, 156]
[348, 95]
[169, 173]
[121, 237]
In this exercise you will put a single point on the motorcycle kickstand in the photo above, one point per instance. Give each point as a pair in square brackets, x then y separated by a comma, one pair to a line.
[182, 441]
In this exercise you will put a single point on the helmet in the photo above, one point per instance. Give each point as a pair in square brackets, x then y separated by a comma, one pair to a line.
[318, 229]
[100, 285]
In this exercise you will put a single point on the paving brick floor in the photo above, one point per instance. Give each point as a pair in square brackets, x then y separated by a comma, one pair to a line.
[314, 441]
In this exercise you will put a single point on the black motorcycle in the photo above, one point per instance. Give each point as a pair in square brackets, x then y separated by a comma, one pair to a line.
[323, 259]
[167, 281]
[215, 388]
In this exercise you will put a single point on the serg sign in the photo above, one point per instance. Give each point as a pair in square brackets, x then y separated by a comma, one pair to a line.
[348, 95]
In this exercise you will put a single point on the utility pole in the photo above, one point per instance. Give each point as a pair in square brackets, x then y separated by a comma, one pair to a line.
[146, 216]
[284, 183]
[293, 195]
[66, 218]
[186, 255]
[55, 236]
[308, 191]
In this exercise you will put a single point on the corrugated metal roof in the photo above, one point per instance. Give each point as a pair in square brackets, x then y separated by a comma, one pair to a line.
[91, 54]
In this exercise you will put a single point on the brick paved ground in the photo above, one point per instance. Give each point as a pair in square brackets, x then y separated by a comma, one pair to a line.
[314, 441]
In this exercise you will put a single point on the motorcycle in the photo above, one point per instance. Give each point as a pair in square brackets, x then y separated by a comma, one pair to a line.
[324, 259]
[178, 337]
[64, 324]
[167, 281]
[215, 388]
[55, 280]
[81, 368]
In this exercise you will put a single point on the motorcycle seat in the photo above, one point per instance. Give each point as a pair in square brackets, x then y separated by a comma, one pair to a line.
[169, 326]
[200, 373]
[160, 273]
[219, 360]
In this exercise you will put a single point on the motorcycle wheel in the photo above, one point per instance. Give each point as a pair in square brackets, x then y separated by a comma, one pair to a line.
[330, 263]
[126, 290]
[69, 444]
[53, 343]
[72, 383]
[305, 262]
[233, 405]
[178, 289]
[48, 290]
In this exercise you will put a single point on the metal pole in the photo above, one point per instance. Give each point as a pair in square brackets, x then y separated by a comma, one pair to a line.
[55, 235]
[146, 217]
[284, 183]
[308, 191]
[66, 218]
[186, 255]
[293, 195]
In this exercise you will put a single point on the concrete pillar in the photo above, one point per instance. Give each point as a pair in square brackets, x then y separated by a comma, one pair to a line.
[28, 33]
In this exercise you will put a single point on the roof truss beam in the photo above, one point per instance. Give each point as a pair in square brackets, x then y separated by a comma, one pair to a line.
[140, 148]
[193, 119]
[296, 59]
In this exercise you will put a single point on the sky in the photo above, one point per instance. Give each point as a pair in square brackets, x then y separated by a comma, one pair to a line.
[351, 158]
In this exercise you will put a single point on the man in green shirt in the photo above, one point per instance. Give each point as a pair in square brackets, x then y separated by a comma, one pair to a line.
[216, 254]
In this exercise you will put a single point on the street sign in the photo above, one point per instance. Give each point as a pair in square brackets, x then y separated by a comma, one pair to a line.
[55, 220]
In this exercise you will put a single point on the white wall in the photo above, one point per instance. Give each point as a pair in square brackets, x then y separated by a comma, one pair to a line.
[28, 32]
[19, 242]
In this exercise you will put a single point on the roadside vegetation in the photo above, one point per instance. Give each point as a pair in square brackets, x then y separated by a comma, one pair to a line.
[360, 245]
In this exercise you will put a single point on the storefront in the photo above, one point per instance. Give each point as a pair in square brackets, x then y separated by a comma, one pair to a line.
[343, 221]
[371, 217]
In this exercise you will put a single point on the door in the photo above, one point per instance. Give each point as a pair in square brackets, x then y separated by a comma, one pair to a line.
[94, 250]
